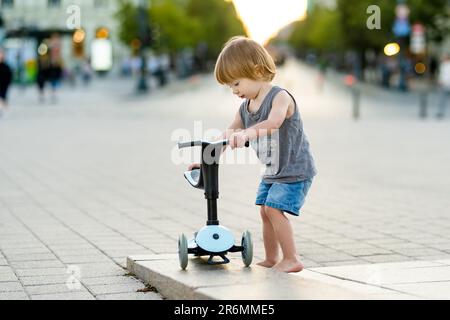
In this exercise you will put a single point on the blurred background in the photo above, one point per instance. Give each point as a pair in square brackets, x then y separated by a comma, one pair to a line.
[394, 44]
[101, 89]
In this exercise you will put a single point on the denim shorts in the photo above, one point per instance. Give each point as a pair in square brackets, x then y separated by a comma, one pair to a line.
[287, 197]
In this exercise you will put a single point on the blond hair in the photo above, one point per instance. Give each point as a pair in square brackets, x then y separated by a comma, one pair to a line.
[242, 57]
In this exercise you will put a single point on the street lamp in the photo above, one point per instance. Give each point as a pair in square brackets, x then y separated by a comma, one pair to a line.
[401, 30]
[2, 30]
[145, 39]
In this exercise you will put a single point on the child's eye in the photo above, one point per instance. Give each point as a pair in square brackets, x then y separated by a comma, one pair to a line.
[236, 84]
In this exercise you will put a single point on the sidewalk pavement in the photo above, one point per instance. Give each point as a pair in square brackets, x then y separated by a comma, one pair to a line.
[92, 179]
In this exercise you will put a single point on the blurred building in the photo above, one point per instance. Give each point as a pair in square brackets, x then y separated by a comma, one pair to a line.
[71, 30]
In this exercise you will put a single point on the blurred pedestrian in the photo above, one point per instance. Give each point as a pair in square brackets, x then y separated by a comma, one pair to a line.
[42, 76]
[433, 68]
[55, 76]
[86, 72]
[444, 84]
[5, 81]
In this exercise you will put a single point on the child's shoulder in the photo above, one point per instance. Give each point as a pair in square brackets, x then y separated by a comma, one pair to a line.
[282, 96]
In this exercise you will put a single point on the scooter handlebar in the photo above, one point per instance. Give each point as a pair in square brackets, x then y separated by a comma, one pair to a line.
[182, 145]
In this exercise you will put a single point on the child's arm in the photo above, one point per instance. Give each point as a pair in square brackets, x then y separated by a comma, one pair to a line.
[236, 126]
[275, 120]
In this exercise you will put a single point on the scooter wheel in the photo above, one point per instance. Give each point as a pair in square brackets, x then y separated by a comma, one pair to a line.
[183, 251]
[247, 244]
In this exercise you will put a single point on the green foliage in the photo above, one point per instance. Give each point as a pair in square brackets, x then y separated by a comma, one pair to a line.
[345, 27]
[219, 22]
[434, 14]
[177, 24]
[127, 18]
[322, 31]
[175, 29]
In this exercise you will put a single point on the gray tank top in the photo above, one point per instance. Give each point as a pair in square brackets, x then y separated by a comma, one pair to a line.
[286, 153]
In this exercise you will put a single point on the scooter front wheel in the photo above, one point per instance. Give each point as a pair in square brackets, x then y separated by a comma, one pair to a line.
[247, 252]
[183, 251]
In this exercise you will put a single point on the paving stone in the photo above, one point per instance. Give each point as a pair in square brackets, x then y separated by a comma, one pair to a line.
[5, 269]
[21, 245]
[37, 264]
[7, 277]
[100, 270]
[41, 272]
[10, 286]
[17, 295]
[75, 252]
[340, 263]
[64, 296]
[84, 259]
[31, 257]
[385, 258]
[32, 250]
[43, 280]
[360, 252]
[417, 252]
[404, 245]
[110, 280]
[130, 296]
[329, 257]
[54, 288]
[115, 288]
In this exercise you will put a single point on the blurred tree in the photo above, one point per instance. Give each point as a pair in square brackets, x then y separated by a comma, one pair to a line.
[177, 24]
[354, 22]
[322, 31]
[176, 29]
[172, 28]
[347, 24]
[219, 22]
[434, 15]
[128, 22]
[345, 27]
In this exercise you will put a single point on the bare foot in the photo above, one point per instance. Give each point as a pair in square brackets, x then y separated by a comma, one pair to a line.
[289, 266]
[267, 263]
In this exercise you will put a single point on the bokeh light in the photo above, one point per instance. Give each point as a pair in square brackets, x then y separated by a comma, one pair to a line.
[391, 49]
[420, 68]
[79, 36]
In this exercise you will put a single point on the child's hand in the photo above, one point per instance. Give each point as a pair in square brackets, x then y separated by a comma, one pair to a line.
[238, 139]
[194, 166]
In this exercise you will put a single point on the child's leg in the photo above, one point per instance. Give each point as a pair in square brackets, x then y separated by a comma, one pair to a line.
[285, 235]
[270, 242]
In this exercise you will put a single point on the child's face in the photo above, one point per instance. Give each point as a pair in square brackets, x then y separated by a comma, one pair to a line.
[245, 88]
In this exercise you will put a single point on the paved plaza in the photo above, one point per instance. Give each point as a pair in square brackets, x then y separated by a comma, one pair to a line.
[96, 177]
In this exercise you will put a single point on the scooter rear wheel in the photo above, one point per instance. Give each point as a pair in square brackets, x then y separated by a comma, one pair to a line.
[183, 251]
[247, 244]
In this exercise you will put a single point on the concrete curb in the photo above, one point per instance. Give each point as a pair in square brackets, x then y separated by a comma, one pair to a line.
[235, 282]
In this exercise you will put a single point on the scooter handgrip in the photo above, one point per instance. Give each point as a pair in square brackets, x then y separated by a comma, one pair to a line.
[182, 145]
